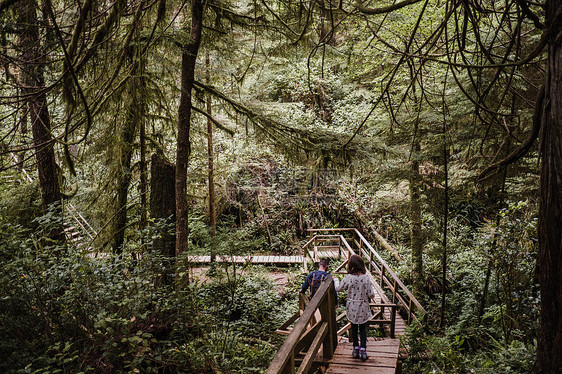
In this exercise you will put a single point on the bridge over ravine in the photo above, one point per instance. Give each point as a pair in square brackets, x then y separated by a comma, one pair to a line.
[313, 338]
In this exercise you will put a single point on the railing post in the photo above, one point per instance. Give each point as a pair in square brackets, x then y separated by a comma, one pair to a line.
[360, 249]
[328, 312]
[339, 247]
[392, 320]
[382, 278]
[410, 311]
[290, 367]
[315, 251]
[370, 261]
[302, 302]
[394, 292]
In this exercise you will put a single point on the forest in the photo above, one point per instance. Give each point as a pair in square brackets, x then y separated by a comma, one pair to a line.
[137, 133]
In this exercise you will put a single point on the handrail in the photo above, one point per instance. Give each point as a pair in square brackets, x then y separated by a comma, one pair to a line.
[85, 223]
[393, 282]
[323, 333]
[75, 214]
[386, 302]
[387, 276]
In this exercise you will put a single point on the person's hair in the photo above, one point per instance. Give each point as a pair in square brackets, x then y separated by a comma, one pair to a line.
[324, 263]
[356, 265]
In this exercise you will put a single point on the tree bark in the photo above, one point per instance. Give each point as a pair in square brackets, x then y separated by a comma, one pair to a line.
[163, 207]
[33, 65]
[445, 227]
[416, 224]
[163, 201]
[143, 176]
[124, 174]
[189, 60]
[549, 352]
[212, 210]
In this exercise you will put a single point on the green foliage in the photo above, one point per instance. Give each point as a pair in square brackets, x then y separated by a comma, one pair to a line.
[19, 202]
[503, 338]
[71, 313]
[428, 352]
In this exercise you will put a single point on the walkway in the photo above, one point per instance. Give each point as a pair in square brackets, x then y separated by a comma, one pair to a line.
[383, 358]
[310, 337]
[260, 259]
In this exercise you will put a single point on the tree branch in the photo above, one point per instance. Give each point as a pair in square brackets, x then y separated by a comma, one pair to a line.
[214, 120]
[524, 147]
[384, 9]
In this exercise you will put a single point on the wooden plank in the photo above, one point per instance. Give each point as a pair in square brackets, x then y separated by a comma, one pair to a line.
[375, 357]
[377, 362]
[383, 358]
[360, 369]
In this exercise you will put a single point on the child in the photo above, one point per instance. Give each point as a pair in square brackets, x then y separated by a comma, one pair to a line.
[359, 292]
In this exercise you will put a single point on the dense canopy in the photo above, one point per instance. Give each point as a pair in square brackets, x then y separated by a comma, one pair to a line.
[144, 131]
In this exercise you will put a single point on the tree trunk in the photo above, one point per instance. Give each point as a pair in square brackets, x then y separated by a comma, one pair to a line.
[142, 140]
[126, 148]
[163, 207]
[212, 210]
[33, 65]
[189, 59]
[143, 176]
[445, 227]
[163, 201]
[416, 224]
[124, 176]
[549, 352]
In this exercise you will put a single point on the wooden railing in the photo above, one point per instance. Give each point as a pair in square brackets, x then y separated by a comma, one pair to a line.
[74, 234]
[309, 334]
[322, 243]
[376, 266]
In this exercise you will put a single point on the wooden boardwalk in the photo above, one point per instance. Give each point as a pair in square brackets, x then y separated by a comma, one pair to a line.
[383, 358]
[383, 352]
[260, 259]
[313, 338]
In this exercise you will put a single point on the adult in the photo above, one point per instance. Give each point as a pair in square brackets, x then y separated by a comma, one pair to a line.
[315, 279]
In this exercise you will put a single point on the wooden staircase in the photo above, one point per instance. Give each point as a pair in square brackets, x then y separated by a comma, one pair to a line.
[78, 231]
[393, 308]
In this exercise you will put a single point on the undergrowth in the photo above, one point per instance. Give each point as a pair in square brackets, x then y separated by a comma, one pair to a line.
[62, 311]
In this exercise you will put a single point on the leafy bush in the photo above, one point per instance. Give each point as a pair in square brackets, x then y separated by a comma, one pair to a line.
[71, 313]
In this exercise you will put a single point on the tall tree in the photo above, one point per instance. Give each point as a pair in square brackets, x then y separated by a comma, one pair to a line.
[124, 172]
[550, 211]
[416, 238]
[33, 63]
[210, 163]
[188, 64]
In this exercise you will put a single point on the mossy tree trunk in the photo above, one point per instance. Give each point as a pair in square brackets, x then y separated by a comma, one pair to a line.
[163, 205]
[183, 151]
[124, 175]
[211, 176]
[35, 98]
[126, 145]
[416, 237]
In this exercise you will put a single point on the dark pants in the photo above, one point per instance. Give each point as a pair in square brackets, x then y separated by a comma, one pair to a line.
[362, 332]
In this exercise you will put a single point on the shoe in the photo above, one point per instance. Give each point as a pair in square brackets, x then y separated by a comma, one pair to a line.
[355, 352]
[363, 354]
